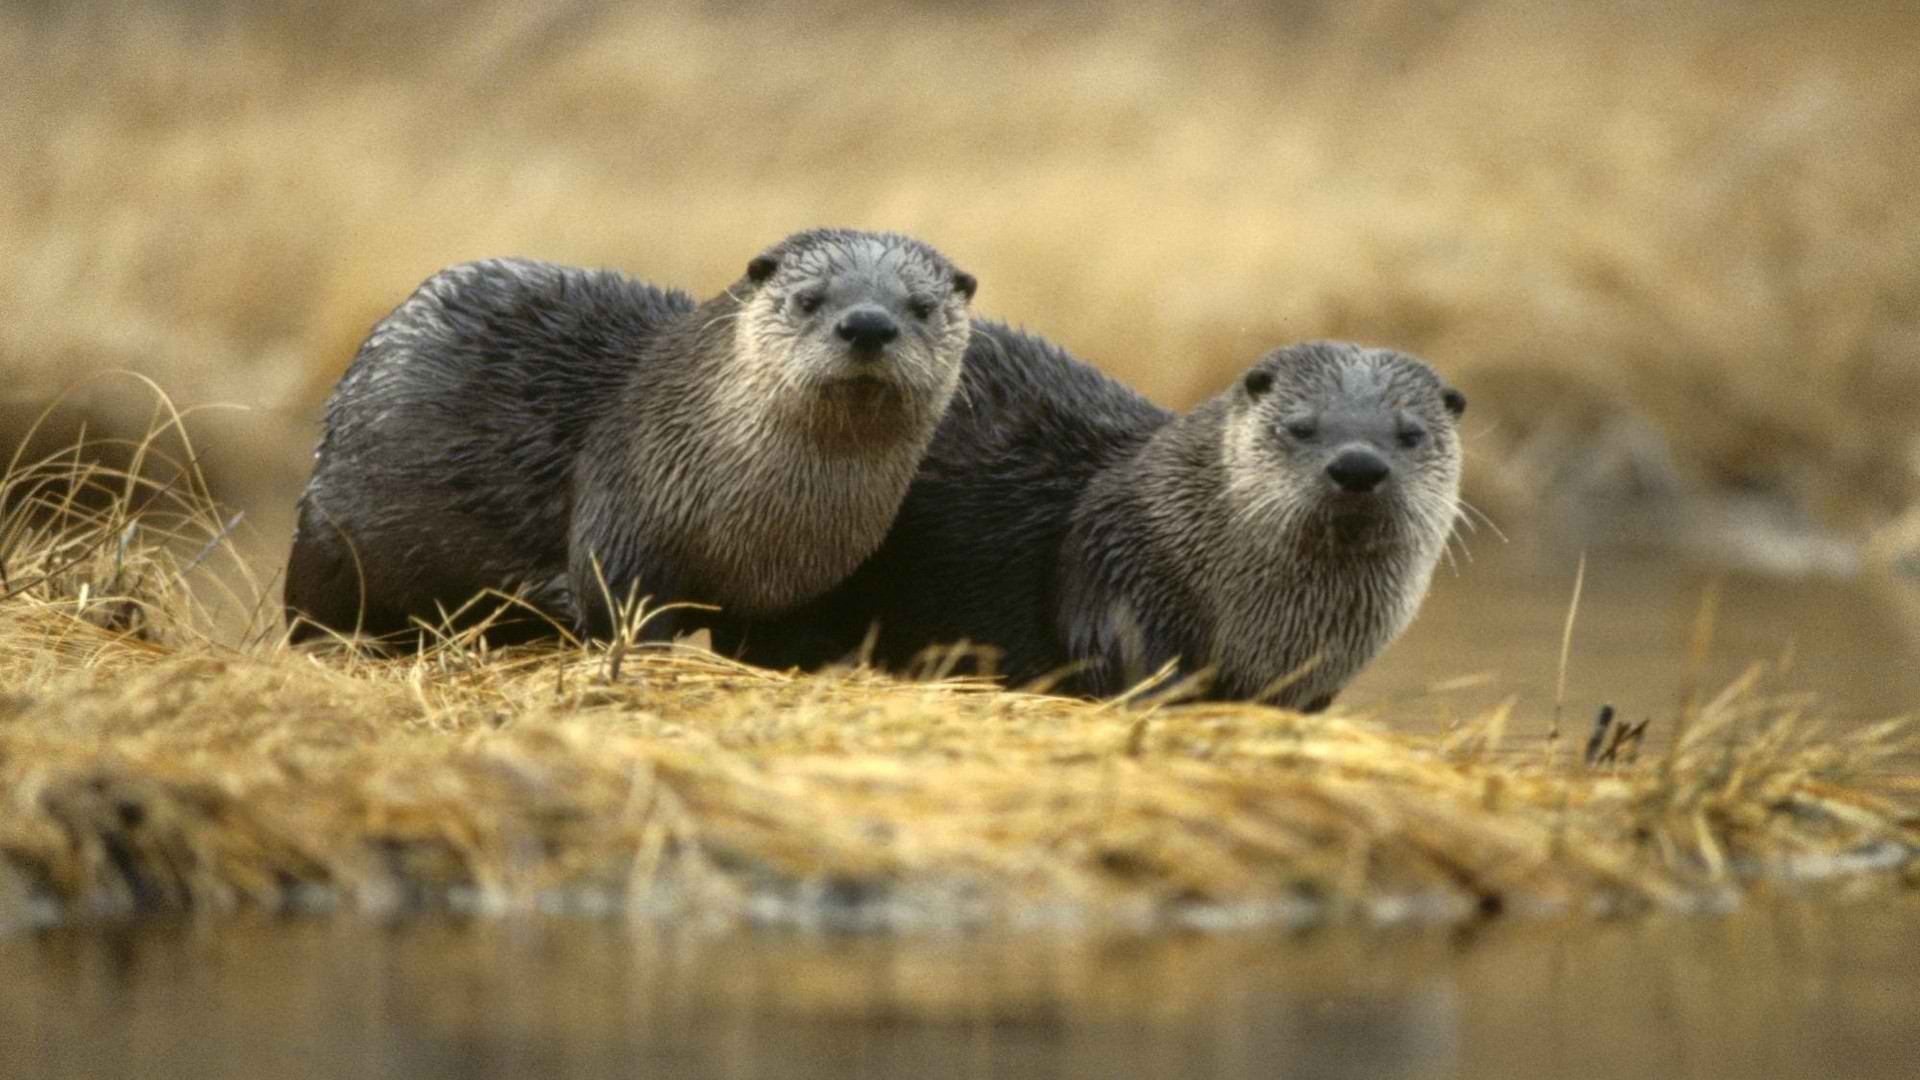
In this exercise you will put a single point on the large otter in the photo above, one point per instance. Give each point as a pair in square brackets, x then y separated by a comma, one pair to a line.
[576, 437]
[1271, 541]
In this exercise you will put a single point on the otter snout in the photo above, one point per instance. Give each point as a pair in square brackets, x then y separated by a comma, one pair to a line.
[1358, 470]
[867, 329]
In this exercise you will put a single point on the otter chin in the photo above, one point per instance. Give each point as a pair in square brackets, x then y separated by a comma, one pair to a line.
[862, 414]
[1265, 545]
[1372, 525]
[1360, 507]
[864, 391]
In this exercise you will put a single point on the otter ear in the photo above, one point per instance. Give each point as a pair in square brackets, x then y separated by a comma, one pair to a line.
[965, 283]
[1258, 381]
[762, 268]
[1454, 400]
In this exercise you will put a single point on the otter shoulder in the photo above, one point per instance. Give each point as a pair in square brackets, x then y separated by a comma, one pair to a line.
[528, 295]
[504, 314]
[1027, 395]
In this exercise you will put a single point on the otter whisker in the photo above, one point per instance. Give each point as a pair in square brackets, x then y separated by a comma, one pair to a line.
[1455, 535]
[718, 319]
[962, 393]
[1448, 542]
[1482, 515]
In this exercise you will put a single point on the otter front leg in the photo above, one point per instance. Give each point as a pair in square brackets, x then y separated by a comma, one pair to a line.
[1119, 651]
[618, 586]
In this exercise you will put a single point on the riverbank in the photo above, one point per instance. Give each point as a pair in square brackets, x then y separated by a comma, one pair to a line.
[150, 767]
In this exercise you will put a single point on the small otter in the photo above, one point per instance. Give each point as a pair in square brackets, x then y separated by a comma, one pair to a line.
[1271, 541]
[576, 436]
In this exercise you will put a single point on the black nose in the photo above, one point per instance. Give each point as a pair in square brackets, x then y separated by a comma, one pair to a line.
[867, 328]
[1358, 471]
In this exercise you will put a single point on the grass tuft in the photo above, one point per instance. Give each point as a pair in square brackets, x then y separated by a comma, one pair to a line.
[149, 765]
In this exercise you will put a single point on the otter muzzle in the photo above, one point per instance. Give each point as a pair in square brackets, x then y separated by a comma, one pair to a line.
[1358, 471]
[867, 330]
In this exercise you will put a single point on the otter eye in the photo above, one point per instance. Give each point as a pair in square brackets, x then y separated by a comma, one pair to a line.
[1302, 429]
[921, 307]
[1411, 436]
[807, 302]
[1259, 382]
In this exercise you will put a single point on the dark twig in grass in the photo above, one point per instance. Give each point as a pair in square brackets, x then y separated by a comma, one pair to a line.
[1601, 724]
[1625, 737]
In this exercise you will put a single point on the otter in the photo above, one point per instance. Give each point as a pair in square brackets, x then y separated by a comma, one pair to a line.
[581, 440]
[1265, 545]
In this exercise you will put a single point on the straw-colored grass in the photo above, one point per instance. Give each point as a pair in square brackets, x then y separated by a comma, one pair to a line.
[148, 766]
[1667, 249]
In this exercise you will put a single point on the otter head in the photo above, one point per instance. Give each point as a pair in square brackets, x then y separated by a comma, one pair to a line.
[1358, 446]
[860, 333]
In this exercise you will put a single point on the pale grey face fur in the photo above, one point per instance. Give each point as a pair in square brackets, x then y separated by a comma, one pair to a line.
[1343, 474]
[859, 335]
[845, 354]
[1302, 408]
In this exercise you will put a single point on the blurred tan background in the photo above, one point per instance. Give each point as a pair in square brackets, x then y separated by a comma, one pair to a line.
[1671, 251]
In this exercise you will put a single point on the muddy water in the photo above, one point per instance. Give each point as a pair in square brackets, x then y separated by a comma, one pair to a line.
[1782, 990]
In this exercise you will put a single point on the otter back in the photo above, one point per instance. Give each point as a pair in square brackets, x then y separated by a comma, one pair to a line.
[446, 465]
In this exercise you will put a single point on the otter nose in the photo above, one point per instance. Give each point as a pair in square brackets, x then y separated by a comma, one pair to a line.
[1358, 471]
[867, 328]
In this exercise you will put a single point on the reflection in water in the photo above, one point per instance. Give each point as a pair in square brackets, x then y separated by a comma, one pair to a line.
[1782, 989]
[1502, 614]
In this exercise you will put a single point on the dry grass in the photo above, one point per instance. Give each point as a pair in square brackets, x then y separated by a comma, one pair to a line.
[148, 766]
[1669, 256]
[1668, 250]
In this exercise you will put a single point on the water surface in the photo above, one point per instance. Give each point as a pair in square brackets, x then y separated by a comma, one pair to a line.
[1782, 989]
[1846, 644]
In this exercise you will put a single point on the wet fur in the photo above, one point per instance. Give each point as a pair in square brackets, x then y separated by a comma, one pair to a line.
[574, 435]
[1086, 536]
